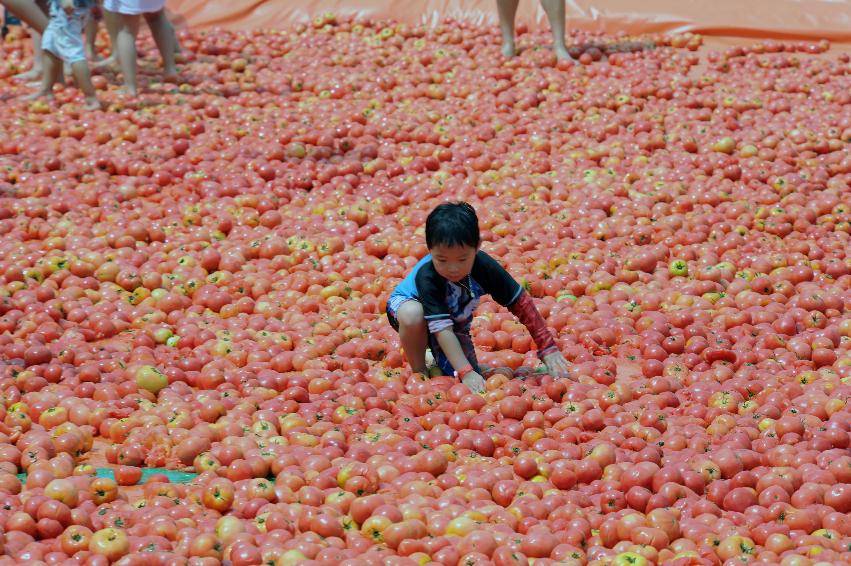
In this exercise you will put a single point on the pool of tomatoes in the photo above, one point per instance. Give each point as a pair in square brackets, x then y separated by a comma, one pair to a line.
[196, 281]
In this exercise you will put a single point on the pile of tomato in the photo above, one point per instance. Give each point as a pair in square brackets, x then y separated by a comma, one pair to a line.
[196, 281]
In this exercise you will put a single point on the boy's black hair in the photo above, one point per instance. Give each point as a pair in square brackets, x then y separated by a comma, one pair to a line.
[452, 224]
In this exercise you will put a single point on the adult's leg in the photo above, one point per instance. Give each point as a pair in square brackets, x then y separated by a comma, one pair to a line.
[28, 12]
[164, 37]
[177, 47]
[507, 11]
[555, 14]
[127, 30]
[413, 334]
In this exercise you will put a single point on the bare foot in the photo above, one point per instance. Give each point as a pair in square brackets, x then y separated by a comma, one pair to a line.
[109, 62]
[28, 76]
[38, 94]
[128, 91]
[508, 50]
[93, 104]
[562, 54]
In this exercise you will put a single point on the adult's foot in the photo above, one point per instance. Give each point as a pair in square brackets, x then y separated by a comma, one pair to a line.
[508, 49]
[562, 54]
[128, 91]
[93, 104]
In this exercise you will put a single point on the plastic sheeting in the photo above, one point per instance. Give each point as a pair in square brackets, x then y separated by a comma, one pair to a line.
[780, 19]
[173, 476]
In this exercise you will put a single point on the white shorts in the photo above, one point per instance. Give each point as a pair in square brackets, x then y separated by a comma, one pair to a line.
[63, 35]
[133, 7]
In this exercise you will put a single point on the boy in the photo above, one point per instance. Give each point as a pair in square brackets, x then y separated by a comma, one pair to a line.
[63, 41]
[433, 306]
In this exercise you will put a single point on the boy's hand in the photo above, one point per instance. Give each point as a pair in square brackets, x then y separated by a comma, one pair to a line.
[67, 5]
[557, 365]
[475, 382]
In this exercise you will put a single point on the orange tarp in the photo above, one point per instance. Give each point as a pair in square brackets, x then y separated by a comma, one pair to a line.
[781, 19]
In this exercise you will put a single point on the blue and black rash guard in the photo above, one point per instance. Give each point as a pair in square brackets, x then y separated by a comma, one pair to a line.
[449, 305]
[446, 303]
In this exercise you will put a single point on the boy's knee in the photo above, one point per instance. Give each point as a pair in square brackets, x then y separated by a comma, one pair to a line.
[155, 17]
[410, 314]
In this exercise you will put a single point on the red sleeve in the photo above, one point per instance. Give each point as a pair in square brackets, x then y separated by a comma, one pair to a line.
[524, 309]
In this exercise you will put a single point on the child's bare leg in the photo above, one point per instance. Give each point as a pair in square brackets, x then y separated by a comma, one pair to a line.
[128, 29]
[35, 71]
[413, 334]
[91, 36]
[164, 37]
[555, 15]
[507, 11]
[50, 76]
[83, 78]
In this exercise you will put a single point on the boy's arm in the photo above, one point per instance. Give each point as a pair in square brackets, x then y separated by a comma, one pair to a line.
[431, 289]
[526, 311]
[455, 354]
[452, 348]
[507, 291]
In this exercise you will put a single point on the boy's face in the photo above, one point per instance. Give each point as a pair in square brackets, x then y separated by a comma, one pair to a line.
[453, 262]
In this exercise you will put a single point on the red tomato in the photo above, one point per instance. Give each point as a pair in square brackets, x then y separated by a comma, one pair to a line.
[127, 475]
